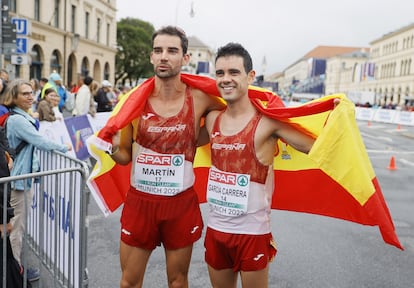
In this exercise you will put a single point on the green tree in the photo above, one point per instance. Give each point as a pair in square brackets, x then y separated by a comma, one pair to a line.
[134, 48]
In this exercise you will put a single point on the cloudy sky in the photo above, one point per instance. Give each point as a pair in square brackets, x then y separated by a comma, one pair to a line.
[277, 31]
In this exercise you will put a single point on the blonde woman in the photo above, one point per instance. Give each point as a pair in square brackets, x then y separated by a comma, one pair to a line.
[23, 128]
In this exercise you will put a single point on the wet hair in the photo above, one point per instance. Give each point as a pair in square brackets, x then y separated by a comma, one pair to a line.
[173, 31]
[12, 92]
[235, 49]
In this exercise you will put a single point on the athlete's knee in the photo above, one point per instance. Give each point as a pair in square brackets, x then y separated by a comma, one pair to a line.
[125, 283]
[178, 281]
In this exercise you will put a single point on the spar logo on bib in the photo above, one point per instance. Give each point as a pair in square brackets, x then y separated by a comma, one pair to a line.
[222, 177]
[150, 159]
[177, 160]
[242, 180]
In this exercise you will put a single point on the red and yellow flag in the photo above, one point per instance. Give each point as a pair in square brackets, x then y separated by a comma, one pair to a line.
[335, 179]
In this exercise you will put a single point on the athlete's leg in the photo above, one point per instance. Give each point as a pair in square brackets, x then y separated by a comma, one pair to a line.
[178, 264]
[133, 264]
[225, 278]
[253, 279]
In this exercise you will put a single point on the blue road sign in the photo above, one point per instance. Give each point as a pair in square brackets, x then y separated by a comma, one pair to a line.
[21, 45]
[22, 26]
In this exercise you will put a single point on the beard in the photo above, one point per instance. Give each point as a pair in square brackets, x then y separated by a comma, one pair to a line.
[167, 73]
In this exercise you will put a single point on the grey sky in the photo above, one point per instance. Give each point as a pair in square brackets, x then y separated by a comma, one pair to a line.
[282, 31]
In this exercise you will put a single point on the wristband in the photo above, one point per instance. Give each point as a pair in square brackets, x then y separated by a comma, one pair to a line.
[113, 152]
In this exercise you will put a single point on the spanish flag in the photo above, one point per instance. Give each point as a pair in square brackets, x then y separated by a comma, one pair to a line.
[335, 179]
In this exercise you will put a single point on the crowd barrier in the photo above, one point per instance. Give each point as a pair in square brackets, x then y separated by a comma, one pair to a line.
[391, 116]
[377, 114]
[55, 239]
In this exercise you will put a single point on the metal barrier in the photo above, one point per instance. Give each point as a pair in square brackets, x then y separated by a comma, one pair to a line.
[56, 229]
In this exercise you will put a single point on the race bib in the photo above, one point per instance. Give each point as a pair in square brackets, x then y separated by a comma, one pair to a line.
[227, 193]
[159, 174]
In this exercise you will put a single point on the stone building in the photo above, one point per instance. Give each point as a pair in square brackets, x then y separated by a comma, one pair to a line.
[71, 37]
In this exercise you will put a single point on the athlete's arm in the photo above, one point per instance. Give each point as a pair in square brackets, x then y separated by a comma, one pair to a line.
[294, 137]
[122, 146]
[203, 137]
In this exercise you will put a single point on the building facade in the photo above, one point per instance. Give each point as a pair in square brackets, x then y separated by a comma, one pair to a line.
[393, 55]
[382, 73]
[201, 58]
[387, 71]
[71, 37]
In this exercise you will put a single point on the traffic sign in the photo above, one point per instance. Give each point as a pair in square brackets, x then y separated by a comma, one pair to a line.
[8, 33]
[21, 45]
[9, 48]
[20, 59]
[22, 26]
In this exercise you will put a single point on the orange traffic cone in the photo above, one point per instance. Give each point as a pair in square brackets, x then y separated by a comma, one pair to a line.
[399, 127]
[369, 123]
[392, 164]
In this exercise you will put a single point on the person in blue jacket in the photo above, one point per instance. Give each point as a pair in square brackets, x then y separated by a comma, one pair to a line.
[21, 127]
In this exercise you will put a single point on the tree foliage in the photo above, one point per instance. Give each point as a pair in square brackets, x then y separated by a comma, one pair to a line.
[134, 48]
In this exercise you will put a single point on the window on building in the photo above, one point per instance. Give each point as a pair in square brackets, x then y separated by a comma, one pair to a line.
[108, 33]
[86, 25]
[56, 13]
[106, 71]
[98, 30]
[12, 7]
[73, 19]
[55, 62]
[37, 10]
[36, 67]
[85, 67]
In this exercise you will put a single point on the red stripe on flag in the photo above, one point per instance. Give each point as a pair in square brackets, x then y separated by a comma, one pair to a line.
[113, 186]
[317, 193]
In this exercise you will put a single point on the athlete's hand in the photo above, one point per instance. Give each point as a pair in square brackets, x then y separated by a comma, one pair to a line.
[116, 139]
[336, 102]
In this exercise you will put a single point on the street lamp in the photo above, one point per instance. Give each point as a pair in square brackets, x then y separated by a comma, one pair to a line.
[192, 13]
[177, 6]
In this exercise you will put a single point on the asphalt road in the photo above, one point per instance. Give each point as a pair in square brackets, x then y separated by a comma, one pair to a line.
[313, 251]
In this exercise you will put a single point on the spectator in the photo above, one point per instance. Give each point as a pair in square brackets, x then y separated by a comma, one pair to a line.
[3, 109]
[36, 91]
[83, 98]
[23, 128]
[45, 107]
[4, 74]
[55, 81]
[3, 85]
[14, 275]
[125, 89]
[55, 104]
[104, 97]
[74, 89]
[94, 87]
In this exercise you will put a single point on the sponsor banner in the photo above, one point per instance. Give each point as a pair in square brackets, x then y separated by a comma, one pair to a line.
[362, 113]
[384, 115]
[404, 118]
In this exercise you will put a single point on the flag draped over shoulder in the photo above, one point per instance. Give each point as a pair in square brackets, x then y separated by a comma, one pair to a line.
[335, 179]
